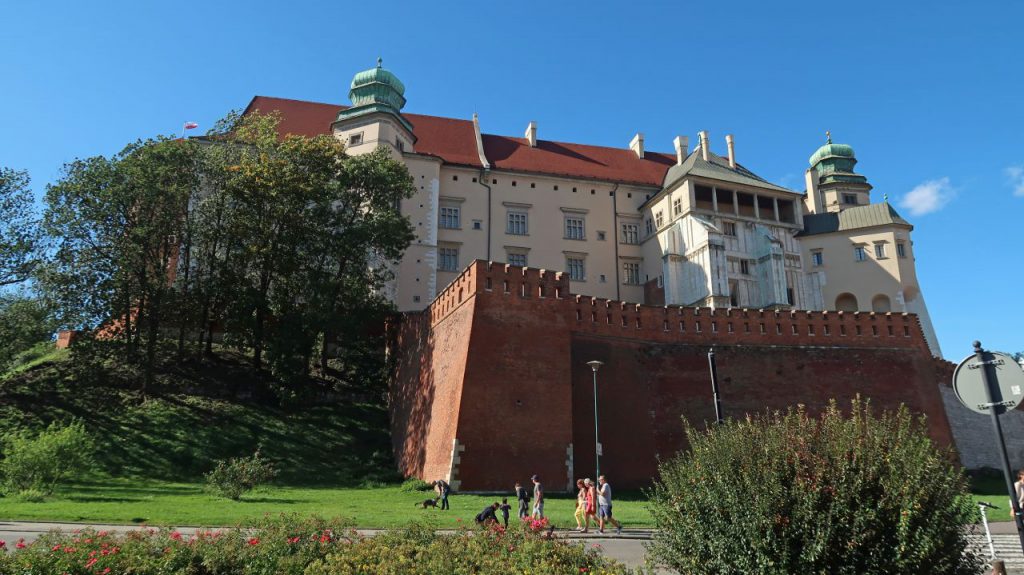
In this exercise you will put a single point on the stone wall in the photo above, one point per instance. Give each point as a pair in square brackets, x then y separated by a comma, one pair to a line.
[492, 384]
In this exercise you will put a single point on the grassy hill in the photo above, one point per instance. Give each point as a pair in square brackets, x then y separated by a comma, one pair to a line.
[202, 411]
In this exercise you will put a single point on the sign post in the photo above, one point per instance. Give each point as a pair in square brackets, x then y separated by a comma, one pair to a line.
[992, 383]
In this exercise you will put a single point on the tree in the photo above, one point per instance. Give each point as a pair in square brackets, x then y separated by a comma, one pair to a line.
[792, 493]
[20, 236]
[25, 321]
[118, 223]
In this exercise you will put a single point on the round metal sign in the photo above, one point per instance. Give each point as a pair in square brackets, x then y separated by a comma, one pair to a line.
[1007, 387]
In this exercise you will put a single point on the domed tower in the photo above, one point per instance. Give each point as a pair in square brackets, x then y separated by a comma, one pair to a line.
[832, 185]
[375, 117]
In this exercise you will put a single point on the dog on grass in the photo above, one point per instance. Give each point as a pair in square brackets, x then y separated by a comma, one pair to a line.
[428, 503]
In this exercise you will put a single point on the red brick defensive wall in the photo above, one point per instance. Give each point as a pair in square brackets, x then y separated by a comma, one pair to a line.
[492, 384]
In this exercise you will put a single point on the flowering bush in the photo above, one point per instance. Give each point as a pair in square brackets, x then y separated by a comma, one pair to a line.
[291, 545]
[34, 464]
[280, 546]
[240, 475]
[420, 551]
[791, 493]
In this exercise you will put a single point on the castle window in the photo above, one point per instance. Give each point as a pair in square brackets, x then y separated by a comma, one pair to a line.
[600, 236]
[745, 267]
[575, 229]
[677, 206]
[817, 259]
[631, 271]
[477, 224]
[630, 234]
[449, 259]
[450, 218]
[455, 178]
[659, 219]
[400, 145]
[729, 228]
[517, 259]
[576, 268]
[859, 253]
[355, 139]
[901, 249]
[880, 251]
[850, 199]
[650, 226]
[517, 224]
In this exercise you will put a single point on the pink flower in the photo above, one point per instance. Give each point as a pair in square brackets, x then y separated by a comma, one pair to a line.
[105, 571]
[91, 562]
[176, 535]
[293, 540]
[254, 541]
[3, 544]
[21, 544]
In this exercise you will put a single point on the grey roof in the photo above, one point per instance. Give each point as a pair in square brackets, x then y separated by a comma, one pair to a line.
[717, 168]
[852, 219]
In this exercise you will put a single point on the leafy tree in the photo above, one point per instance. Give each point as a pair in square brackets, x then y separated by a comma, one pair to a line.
[24, 322]
[118, 222]
[792, 493]
[20, 237]
[39, 462]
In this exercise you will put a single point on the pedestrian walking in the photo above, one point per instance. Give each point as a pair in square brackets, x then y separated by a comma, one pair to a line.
[591, 500]
[538, 498]
[604, 506]
[442, 489]
[505, 507]
[523, 496]
[581, 507]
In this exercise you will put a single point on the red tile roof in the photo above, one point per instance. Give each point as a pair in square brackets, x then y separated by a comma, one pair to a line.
[453, 141]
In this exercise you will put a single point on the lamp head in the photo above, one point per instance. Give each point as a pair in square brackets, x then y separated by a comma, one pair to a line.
[594, 365]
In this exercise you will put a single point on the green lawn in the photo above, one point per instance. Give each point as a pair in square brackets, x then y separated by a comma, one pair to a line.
[180, 504]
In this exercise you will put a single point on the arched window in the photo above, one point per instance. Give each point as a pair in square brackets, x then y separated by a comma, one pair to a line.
[846, 302]
[881, 304]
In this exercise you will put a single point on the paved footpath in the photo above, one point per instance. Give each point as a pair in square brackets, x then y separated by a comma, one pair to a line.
[627, 547]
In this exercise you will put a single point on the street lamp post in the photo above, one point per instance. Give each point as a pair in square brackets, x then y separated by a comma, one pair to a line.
[595, 365]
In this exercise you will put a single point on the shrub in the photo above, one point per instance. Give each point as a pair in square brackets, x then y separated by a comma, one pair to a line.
[791, 493]
[39, 462]
[30, 496]
[414, 484]
[419, 550]
[239, 475]
[285, 545]
[293, 545]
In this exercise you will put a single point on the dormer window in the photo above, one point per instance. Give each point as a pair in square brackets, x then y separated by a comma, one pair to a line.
[355, 139]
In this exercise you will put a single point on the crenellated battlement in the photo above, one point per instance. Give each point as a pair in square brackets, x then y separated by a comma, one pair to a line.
[695, 325]
[492, 277]
[747, 326]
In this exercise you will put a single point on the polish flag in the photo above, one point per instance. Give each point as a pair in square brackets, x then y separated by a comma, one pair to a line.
[191, 125]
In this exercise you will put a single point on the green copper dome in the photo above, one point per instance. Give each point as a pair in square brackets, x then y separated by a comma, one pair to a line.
[376, 91]
[835, 162]
[831, 150]
[377, 86]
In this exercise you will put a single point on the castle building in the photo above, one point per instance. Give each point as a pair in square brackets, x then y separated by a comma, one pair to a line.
[690, 228]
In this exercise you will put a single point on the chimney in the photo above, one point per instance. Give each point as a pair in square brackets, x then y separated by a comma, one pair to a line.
[732, 152]
[704, 145]
[682, 144]
[813, 196]
[637, 145]
[531, 134]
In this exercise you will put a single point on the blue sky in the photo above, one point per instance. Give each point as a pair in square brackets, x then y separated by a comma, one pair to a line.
[929, 95]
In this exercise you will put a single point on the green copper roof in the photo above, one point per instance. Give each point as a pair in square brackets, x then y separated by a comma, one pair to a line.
[834, 163]
[716, 168]
[376, 90]
[377, 86]
[852, 219]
